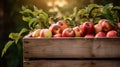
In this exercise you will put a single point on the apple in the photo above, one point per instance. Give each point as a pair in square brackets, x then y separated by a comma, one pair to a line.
[102, 20]
[118, 25]
[98, 28]
[87, 27]
[112, 33]
[105, 25]
[63, 24]
[68, 32]
[78, 31]
[45, 33]
[89, 36]
[100, 34]
[36, 33]
[55, 29]
[57, 36]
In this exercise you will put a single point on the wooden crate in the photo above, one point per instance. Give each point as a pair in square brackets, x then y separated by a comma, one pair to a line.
[71, 47]
[74, 52]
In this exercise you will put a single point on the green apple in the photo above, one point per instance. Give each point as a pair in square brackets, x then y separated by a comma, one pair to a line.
[45, 33]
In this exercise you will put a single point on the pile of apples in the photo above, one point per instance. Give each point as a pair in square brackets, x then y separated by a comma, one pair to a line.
[88, 30]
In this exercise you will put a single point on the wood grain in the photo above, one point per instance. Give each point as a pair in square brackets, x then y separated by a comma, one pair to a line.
[57, 48]
[106, 48]
[71, 47]
[71, 63]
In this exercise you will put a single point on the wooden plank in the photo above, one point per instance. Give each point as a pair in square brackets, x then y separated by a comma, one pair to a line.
[105, 63]
[71, 47]
[72, 63]
[56, 63]
[106, 48]
[57, 48]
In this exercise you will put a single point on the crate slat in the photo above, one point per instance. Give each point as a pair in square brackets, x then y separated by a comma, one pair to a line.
[71, 48]
[106, 48]
[71, 63]
[57, 48]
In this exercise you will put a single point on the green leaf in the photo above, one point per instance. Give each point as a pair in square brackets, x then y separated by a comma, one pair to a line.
[116, 7]
[8, 44]
[110, 14]
[95, 12]
[38, 26]
[96, 20]
[26, 19]
[74, 13]
[43, 17]
[82, 13]
[107, 8]
[25, 10]
[15, 37]
[33, 20]
[35, 8]
[44, 20]
[91, 6]
[36, 11]
[23, 31]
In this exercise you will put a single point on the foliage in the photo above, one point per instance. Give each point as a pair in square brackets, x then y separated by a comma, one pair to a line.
[94, 13]
[35, 19]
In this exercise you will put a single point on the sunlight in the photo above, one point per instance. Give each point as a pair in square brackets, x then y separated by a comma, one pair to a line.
[55, 4]
[59, 3]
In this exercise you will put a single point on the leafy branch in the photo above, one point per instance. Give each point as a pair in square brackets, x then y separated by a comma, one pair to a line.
[35, 18]
[15, 37]
[94, 13]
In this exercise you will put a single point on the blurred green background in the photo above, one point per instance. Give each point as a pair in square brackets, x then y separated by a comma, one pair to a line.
[11, 21]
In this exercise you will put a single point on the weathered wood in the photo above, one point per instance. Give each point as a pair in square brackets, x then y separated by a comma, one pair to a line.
[72, 63]
[106, 48]
[106, 63]
[71, 47]
[57, 48]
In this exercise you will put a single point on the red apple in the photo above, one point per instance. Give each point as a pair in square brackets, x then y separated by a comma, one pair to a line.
[89, 36]
[45, 33]
[112, 33]
[118, 25]
[98, 28]
[68, 32]
[87, 27]
[56, 29]
[36, 33]
[57, 36]
[102, 20]
[78, 31]
[100, 34]
[105, 25]
[63, 24]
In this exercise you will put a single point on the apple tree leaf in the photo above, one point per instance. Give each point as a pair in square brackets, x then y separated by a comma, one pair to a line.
[110, 14]
[35, 8]
[15, 37]
[36, 11]
[23, 31]
[26, 11]
[7, 45]
[26, 19]
[33, 20]
[82, 13]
